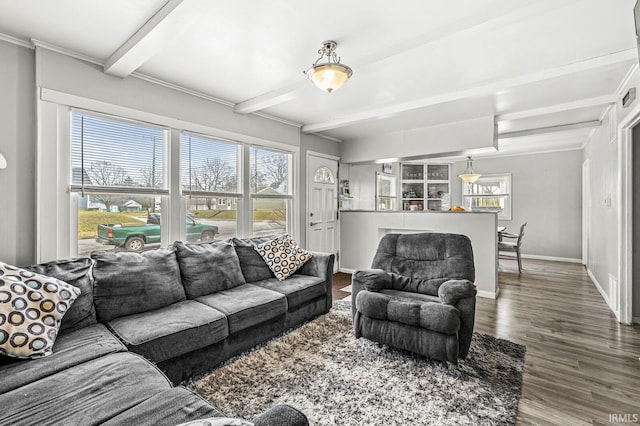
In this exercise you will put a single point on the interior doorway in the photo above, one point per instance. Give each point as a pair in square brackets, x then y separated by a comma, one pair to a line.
[323, 223]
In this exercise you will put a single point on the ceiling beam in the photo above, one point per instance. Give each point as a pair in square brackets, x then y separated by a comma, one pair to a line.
[551, 129]
[481, 89]
[563, 107]
[167, 24]
[484, 20]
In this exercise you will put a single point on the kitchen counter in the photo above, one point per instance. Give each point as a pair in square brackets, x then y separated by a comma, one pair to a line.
[361, 230]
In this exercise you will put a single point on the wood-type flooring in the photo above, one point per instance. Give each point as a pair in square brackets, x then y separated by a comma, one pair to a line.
[581, 366]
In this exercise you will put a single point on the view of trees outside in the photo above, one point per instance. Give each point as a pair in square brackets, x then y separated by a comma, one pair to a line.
[108, 152]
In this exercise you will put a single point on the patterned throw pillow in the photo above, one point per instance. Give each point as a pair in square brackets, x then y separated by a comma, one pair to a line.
[283, 255]
[31, 308]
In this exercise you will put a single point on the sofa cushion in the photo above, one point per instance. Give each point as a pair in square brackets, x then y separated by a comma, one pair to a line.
[87, 394]
[298, 289]
[207, 268]
[428, 315]
[171, 331]
[71, 349]
[253, 265]
[31, 308]
[246, 305]
[283, 255]
[169, 408]
[128, 283]
[76, 272]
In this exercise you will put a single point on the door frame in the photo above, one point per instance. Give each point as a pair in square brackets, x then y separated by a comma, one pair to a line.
[625, 215]
[308, 198]
[586, 212]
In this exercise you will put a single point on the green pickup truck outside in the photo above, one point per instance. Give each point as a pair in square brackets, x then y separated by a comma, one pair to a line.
[135, 237]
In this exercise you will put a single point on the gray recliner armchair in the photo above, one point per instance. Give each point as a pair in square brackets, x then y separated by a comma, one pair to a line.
[419, 296]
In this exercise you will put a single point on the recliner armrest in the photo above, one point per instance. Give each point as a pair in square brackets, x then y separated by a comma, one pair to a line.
[372, 279]
[453, 290]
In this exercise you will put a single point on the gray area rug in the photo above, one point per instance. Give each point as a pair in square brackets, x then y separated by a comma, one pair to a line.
[322, 370]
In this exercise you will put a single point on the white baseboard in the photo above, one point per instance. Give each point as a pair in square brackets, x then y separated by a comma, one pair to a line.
[599, 287]
[635, 320]
[489, 294]
[347, 270]
[538, 257]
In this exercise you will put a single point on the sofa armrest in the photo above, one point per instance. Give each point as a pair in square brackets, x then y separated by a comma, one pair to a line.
[281, 415]
[450, 292]
[320, 265]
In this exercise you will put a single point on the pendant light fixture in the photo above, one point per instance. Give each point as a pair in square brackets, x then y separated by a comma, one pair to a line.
[331, 74]
[469, 176]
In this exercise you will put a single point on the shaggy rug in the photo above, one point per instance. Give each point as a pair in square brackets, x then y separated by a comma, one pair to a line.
[322, 370]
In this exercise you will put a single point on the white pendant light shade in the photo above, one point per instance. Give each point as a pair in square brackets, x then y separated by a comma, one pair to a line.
[330, 75]
[469, 176]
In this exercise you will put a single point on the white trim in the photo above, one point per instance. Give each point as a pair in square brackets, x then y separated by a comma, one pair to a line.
[598, 286]
[586, 211]
[16, 40]
[626, 80]
[625, 214]
[488, 294]
[635, 320]
[539, 257]
[347, 271]
[66, 52]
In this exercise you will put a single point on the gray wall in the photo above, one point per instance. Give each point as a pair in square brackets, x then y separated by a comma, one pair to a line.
[547, 194]
[17, 144]
[636, 222]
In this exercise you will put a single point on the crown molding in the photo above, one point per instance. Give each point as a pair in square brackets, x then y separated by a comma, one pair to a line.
[15, 40]
[67, 52]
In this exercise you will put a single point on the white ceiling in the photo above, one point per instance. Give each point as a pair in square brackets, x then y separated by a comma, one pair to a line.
[547, 69]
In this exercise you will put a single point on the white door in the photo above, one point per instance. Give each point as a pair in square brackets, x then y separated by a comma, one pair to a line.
[322, 204]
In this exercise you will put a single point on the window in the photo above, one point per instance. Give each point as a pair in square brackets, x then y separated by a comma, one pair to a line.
[489, 193]
[211, 182]
[323, 175]
[270, 182]
[118, 174]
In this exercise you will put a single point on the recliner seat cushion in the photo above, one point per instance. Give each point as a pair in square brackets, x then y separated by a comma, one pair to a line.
[128, 283]
[88, 394]
[246, 305]
[76, 272]
[428, 315]
[171, 331]
[299, 289]
[71, 349]
[208, 268]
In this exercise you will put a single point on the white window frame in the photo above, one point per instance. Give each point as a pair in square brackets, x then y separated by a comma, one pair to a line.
[56, 206]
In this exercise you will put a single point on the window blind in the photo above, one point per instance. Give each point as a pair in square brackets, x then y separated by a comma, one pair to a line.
[209, 166]
[116, 156]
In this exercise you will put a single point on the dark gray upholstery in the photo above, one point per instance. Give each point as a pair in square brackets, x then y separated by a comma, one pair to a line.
[171, 331]
[71, 349]
[128, 283]
[253, 265]
[123, 379]
[281, 415]
[246, 305]
[168, 408]
[208, 268]
[420, 295]
[298, 289]
[76, 272]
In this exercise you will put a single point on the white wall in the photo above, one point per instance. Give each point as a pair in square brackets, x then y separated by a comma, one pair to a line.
[476, 134]
[636, 222]
[547, 194]
[17, 144]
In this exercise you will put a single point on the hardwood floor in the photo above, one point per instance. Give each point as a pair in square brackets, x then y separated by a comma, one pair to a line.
[581, 366]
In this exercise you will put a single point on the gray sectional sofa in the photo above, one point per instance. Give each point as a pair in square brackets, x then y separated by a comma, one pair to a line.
[146, 321]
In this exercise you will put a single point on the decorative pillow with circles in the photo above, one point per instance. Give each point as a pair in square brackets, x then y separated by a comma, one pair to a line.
[283, 255]
[31, 308]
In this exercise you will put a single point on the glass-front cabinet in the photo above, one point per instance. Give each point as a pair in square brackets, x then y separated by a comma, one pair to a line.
[489, 193]
[425, 186]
